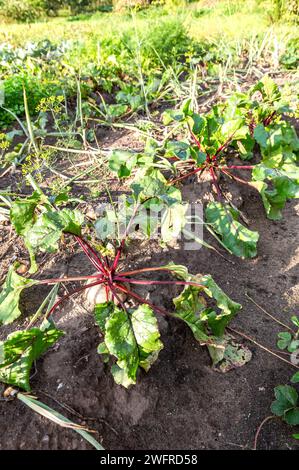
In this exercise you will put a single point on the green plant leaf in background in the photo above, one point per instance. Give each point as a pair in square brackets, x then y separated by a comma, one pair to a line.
[42, 230]
[287, 341]
[45, 234]
[10, 296]
[284, 185]
[286, 404]
[295, 378]
[238, 239]
[268, 89]
[23, 217]
[122, 162]
[20, 350]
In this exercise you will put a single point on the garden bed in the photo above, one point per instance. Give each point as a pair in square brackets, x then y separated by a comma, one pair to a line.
[181, 403]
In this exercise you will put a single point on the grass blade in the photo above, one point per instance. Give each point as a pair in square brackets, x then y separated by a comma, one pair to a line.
[57, 418]
[29, 123]
[49, 299]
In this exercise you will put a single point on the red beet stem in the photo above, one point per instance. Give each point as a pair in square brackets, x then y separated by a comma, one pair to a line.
[150, 282]
[69, 279]
[141, 300]
[65, 297]
[237, 167]
[94, 259]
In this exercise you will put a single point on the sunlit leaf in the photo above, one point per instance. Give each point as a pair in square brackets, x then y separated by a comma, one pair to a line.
[20, 350]
[10, 295]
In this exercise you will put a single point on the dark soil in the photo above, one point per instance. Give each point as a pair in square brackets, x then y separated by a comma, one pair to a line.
[181, 403]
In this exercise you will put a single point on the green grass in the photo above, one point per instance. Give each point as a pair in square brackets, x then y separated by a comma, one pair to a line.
[228, 19]
[128, 52]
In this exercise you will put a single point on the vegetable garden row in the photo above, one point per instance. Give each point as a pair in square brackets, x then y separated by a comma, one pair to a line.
[247, 139]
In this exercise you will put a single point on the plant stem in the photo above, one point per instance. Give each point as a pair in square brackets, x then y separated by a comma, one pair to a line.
[94, 259]
[212, 173]
[269, 314]
[141, 300]
[143, 270]
[236, 178]
[70, 294]
[226, 143]
[262, 347]
[122, 244]
[195, 138]
[237, 167]
[114, 294]
[193, 172]
[69, 279]
[149, 282]
[260, 428]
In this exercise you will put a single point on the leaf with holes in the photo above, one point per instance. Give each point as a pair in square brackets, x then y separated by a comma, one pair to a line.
[227, 354]
[205, 321]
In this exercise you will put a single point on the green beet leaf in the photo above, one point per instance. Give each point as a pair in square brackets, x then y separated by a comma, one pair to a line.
[122, 162]
[10, 296]
[42, 229]
[171, 115]
[238, 239]
[268, 89]
[22, 213]
[173, 220]
[227, 307]
[151, 190]
[131, 336]
[284, 185]
[193, 309]
[151, 184]
[20, 350]
[261, 135]
[178, 149]
[45, 234]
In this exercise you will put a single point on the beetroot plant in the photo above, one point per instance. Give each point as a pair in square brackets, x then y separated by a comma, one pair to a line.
[130, 332]
[247, 126]
[234, 129]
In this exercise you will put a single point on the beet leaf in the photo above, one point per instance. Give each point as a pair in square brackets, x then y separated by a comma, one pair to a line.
[20, 350]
